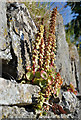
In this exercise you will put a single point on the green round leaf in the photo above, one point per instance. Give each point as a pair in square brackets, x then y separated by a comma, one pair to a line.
[44, 113]
[58, 91]
[43, 74]
[37, 74]
[29, 75]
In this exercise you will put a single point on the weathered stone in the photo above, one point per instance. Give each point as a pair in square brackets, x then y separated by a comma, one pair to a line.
[63, 60]
[69, 71]
[70, 101]
[20, 112]
[3, 32]
[19, 30]
[16, 112]
[75, 66]
[17, 94]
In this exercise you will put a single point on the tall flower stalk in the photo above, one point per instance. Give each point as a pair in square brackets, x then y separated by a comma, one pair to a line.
[38, 50]
[41, 48]
[35, 52]
[52, 35]
[51, 42]
[45, 75]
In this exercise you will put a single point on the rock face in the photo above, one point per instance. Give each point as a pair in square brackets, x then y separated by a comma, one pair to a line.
[70, 101]
[75, 66]
[67, 57]
[18, 36]
[3, 27]
[16, 112]
[17, 94]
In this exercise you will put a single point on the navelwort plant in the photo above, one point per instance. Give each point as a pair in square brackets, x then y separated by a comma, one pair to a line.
[43, 71]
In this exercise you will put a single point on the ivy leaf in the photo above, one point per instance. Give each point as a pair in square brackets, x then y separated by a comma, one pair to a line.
[29, 75]
[52, 68]
[50, 79]
[36, 81]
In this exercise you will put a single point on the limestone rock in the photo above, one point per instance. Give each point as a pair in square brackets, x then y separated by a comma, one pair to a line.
[69, 71]
[75, 66]
[3, 32]
[16, 112]
[19, 31]
[70, 101]
[63, 59]
[17, 94]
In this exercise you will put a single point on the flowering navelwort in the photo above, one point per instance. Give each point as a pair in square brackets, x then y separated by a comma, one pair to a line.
[43, 71]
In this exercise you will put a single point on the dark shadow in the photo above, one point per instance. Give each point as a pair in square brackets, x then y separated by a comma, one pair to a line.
[23, 54]
[76, 77]
[28, 51]
[9, 69]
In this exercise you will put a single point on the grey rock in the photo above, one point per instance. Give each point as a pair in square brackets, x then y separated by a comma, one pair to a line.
[17, 94]
[63, 59]
[74, 56]
[16, 112]
[70, 101]
[3, 32]
[69, 116]
[19, 31]
[68, 67]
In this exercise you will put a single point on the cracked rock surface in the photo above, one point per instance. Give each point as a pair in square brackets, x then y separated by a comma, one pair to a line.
[17, 94]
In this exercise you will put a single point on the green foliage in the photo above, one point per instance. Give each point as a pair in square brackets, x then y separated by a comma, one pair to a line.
[74, 27]
[58, 91]
[69, 88]
[45, 75]
[50, 83]
[29, 75]
[37, 74]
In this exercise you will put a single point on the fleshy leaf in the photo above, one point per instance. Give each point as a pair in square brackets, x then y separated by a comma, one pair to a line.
[23, 81]
[37, 74]
[43, 74]
[28, 68]
[29, 75]
[71, 86]
[37, 80]
[42, 83]
[39, 106]
[58, 91]
[44, 113]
